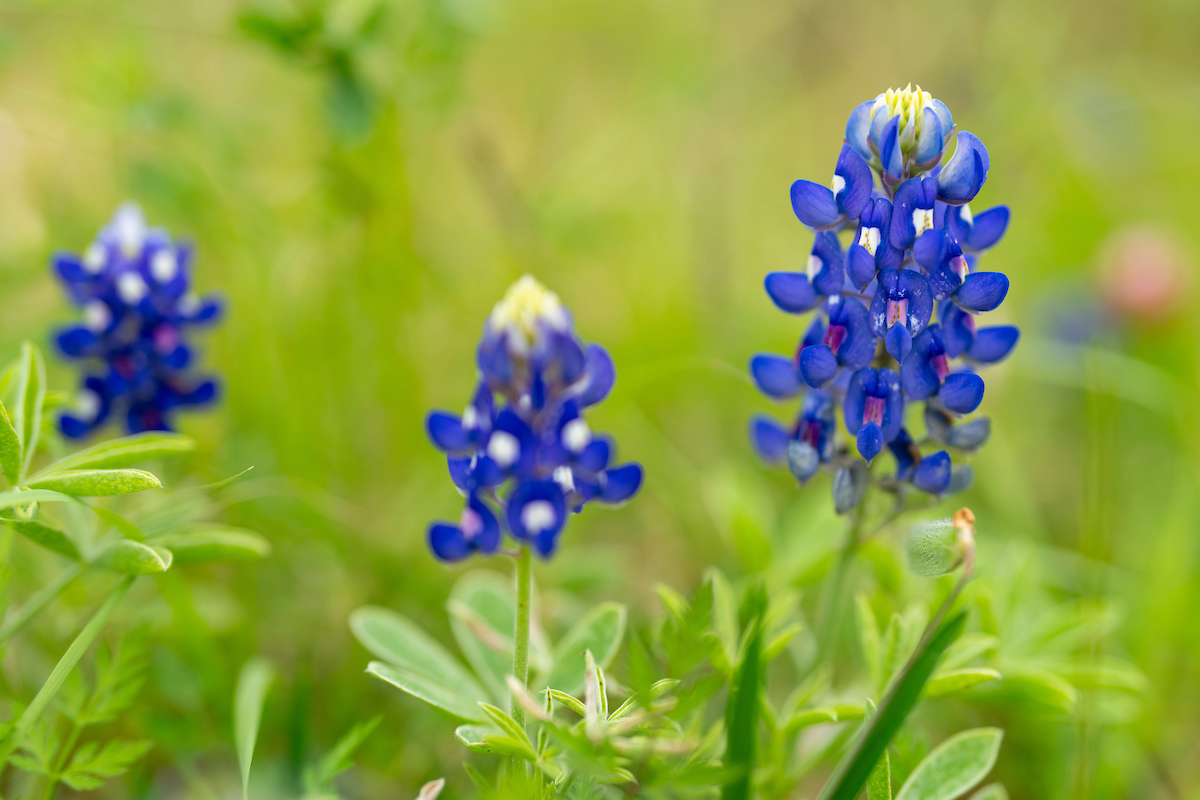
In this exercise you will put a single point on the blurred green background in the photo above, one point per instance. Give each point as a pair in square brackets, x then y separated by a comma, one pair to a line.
[362, 182]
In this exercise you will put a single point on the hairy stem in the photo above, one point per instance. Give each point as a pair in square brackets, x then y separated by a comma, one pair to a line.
[521, 643]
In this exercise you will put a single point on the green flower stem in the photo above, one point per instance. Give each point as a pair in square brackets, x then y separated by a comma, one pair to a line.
[521, 633]
[62, 670]
[39, 601]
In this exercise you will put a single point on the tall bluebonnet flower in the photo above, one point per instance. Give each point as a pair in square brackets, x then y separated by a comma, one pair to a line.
[133, 285]
[522, 452]
[894, 280]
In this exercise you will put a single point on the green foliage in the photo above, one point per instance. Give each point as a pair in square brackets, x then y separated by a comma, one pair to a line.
[957, 765]
[255, 679]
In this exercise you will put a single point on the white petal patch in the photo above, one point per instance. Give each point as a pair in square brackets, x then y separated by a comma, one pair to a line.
[470, 418]
[564, 478]
[576, 435]
[869, 239]
[96, 315]
[131, 287]
[813, 266]
[839, 183]
[95, 258]
[965, 215]
[87, 405]
[922, 219]
[538, 516]
[504, 448]
[164, 267]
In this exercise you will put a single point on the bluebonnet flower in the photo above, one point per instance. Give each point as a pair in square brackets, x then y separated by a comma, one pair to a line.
[133, 285]
[895, 300]
[522, 452]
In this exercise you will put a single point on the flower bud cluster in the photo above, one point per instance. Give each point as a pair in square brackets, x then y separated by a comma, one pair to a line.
[133, 285]
[894, 288]
[522, 452]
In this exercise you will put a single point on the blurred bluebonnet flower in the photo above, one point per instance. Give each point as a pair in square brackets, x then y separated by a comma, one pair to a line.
[895, 300]
[133, 285]
[522, 452]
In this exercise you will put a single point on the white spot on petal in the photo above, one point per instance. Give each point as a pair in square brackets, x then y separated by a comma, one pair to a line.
[538, 516]
[87, 405]
[95, 258]
[96, 316]
[564, 478]
[164, 267]
[839, 183]
[813, 266]
[576, 435]
[131, 287]
[869, 239]
[922, 219]
[503, 448]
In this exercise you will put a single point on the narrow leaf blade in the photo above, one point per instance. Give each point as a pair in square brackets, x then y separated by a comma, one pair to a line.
[125, 452]
[97, 482]
[31, 394]
[10, 449]
[251, 693]
[215, 543]
[47, 537]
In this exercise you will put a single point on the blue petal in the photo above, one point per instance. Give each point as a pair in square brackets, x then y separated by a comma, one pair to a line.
[889, 149]
[595, 456]
[828, 250]
[535, 491]
[988, 228]
[814, 205]
[815, 333]
[944, 115]
[493, 359]
[958, 330]
[803, 460]
[913, 194]
[856, 398]
[566, 354]
[774, 375]
[982, 291]
[818, 365]
[933, 473]
[460, 472]
[870, 441]
[74, 342]
[898, 342]
[73, 427]
[446, 431]
[930, 248]
[965, 172]
[791, 291]
[859, 346]
[917, 375]
[931, 140]
[861, 266]
[905, 453]
[856, 192]
[487, 539]
[601, 375]
[621, 483]
[993, 344]
[769, 438]
[962, 392]
[893, 407]
[858, 128]
[971, 435]
[448, 542]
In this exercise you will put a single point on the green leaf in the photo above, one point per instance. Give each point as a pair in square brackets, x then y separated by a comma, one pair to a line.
[993, 791]
[62, 669]
[509, 726]
[44, 535]
[852, 772]
[97, 482]
[955, 766]
[1029, 684]
[572, 702]
[10, 449]
[741, 713]
[25, 497]
[133, 558]
[600, 632]
[956, 680]
[435, 691]
[725, 612]
[31, 394]
[879, 782]
[337, 760]
[422, 667]
[123, 526]
[482, 617]
[484, 739]
[253, 682]
[90, 766]
[215, 543]
[868, 633]
[124, 452]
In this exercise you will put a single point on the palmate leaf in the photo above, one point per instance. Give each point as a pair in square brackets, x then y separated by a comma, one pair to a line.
[90, 765]
[212, 543]
[119, 677]
[414, 662]
[42, 534]
[31, 394]
[97, 482]
[600, 632]
[482, 617]
[124, 452]
[955, 766]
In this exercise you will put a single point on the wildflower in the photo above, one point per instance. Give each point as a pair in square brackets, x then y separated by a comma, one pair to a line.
[522, 452]
[895, 285]
[133, 286]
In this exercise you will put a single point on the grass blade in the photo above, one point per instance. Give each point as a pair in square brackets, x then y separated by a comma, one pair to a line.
[253, 682]
[852, 773]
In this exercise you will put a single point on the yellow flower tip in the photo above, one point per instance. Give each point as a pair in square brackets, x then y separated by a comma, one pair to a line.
[526, 309]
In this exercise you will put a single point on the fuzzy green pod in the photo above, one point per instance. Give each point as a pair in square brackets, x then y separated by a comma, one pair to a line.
[933, 548]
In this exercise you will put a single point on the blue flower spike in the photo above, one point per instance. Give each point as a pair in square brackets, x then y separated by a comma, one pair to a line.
[896, 240]
[522, 451]
[133, 288]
